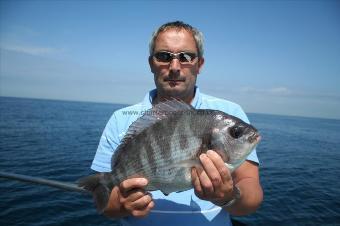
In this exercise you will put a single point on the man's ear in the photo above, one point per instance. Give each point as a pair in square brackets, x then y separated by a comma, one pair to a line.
[151, 64]
[200, 64]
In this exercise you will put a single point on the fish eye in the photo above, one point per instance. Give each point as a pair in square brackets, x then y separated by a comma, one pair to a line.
[236, 131]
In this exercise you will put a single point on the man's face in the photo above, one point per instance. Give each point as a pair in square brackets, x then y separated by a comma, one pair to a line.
[175, 79]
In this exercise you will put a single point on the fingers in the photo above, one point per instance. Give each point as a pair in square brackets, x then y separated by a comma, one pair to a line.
[219, 164]
[212, 180]
[196, 183]
[134, 198]
[210, 169]
[130, 184]
[140, 207]
[204, 180]
[143, 212]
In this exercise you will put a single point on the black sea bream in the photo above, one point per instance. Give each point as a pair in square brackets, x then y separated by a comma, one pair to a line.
[165, 143]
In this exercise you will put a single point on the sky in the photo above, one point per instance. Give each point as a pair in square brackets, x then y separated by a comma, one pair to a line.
[273, 57]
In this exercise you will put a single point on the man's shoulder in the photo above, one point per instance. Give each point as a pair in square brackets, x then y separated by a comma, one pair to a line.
[131, 110]
[134, 107]
[122, 118]
[211, 102]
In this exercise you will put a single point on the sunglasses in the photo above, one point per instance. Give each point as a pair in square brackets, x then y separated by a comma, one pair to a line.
[183, 57]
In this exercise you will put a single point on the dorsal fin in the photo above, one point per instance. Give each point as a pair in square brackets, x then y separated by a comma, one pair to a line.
[158, 112]
[172, 105]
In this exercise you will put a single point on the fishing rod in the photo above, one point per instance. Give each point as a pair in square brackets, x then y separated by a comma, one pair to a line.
[36, 180]
[74, 188]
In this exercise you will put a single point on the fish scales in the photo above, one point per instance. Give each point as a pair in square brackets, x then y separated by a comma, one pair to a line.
[165, 145]
[163, 149]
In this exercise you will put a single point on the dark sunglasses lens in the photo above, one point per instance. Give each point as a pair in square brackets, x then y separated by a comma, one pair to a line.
[163, 56]
[186, 57]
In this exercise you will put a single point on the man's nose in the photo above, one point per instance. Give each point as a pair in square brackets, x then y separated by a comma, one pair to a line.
[175, 65]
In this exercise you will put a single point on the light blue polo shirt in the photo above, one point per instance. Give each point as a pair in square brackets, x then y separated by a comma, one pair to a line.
[182, 208]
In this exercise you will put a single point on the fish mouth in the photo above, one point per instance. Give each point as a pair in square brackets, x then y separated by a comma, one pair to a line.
[254, 138]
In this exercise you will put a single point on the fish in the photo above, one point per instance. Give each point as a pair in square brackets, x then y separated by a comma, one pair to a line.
[164, 145]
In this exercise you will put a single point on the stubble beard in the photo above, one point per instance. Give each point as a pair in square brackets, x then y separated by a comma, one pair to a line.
[169, 92]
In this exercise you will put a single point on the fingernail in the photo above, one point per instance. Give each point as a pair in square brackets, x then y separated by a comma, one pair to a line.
[211, 152]
[202, 156]
[143, 181]
[214, 153]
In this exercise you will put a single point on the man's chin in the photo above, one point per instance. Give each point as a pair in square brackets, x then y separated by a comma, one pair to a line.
[175, 92]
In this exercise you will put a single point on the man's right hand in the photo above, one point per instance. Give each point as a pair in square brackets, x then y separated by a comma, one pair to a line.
[130, 199]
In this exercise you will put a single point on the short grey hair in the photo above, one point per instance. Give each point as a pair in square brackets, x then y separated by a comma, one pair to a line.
[178, 25]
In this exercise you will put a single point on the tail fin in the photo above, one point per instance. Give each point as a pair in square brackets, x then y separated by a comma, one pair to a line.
[100, 186]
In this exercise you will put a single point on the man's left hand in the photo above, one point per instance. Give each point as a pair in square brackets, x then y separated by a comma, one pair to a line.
[212, 181]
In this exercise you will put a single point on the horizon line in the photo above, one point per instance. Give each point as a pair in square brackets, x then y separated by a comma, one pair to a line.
[128, 104]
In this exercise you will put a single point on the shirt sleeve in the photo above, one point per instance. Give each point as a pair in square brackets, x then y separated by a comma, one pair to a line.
[108, 143]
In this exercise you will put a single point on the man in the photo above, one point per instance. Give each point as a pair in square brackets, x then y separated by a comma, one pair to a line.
[176, 58]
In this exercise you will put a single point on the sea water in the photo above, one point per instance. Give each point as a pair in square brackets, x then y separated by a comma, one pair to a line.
[299, 164]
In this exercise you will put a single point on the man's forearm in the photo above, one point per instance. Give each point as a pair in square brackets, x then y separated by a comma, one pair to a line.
[250, 199]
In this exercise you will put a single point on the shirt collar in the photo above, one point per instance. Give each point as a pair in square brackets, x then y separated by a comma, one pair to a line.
[147, 101]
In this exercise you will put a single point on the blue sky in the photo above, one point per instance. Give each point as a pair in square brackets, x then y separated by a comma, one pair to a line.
[277, 57]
